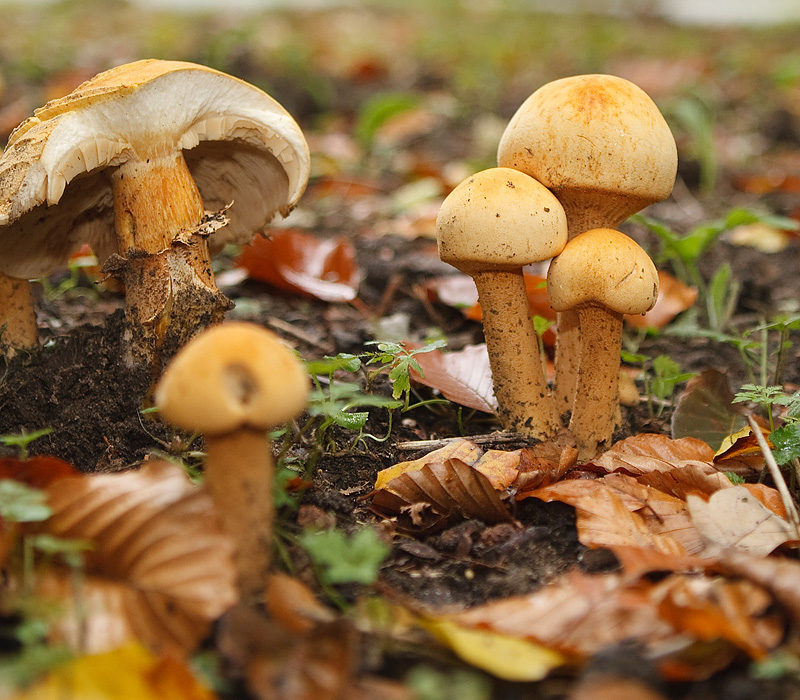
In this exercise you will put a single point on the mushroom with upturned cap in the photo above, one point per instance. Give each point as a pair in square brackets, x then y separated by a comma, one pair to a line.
[233, 383]
[491, 226]
[129, 163]
[603, 148]
[601, 274]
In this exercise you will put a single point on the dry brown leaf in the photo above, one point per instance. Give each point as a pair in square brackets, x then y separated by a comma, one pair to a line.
[36, 472]
[664, 448]
[294, 260]
[581, 614]
[777, 574]
[636, 562]
[463, 376]
[461, 448]
[735, 518]
[160, 569]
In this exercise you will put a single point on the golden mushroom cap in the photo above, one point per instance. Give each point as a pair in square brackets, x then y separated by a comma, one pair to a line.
[232, 376]
[240, 146]
[606, 267]
[593, 132]
[499, 219]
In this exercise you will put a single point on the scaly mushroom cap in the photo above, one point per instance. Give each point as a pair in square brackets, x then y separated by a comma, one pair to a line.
[500, 219]
[240, 145]
[232, 376]
[603, 266]
[593, 132]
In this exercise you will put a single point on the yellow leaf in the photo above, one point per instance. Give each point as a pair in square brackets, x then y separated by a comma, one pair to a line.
[128, 673]
[509, 658]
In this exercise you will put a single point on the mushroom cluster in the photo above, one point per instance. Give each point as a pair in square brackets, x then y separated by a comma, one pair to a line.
[144, 162]
[599, 144]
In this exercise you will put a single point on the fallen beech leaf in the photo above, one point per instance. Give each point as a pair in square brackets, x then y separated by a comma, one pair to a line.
[463, 377]
[705, 410]
[128, 673]
[451, 487]
[769, 497]
[581, 614]
[778, 575]
[663, 447]
[607, 516]
[454, 290]
[735, 518]
[674, 297]
[293, 605]
[160, 569]
[636, 561]
[36, 472]
[505, 657]
[462, 449]
[761, 236]
[299, 262]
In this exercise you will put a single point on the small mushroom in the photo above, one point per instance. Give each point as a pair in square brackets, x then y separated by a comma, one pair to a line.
[600, 275]
[603, 148]
[134, 162]
[490, 226]
[233, 383]
[18, 331]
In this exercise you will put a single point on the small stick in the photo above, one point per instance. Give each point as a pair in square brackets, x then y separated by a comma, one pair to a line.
[490, 439]
[777, 477]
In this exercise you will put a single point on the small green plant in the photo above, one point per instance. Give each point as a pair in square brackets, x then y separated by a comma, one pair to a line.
[342, 558]
[660, 376]
[785, 439]
[431, 684]
[399, 361]
[718, 295]
[23, 439]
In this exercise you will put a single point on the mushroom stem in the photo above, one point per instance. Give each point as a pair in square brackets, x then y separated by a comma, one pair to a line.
[18, 329]
[238, 475]
[593, 416]
[169, 285]
[585, 210]
[524, 401]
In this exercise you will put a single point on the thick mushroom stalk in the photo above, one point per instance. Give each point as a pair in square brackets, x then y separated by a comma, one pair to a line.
[603, 148]
[232, 383]
[18, 331]
[140, 162]
[600, 275]
[489, 227]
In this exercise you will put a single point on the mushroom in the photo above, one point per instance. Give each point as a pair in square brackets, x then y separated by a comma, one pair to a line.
[600, 275]
[490, 226]
[129, 163]
[18, 329]
[233, 383]
[603, 148]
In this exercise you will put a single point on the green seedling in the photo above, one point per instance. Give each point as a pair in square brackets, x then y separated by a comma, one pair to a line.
[378, 110]
[429, 683]
[785, 439]
[400, 361]
[20, 503]
[22, 440]
[694, 116]
[75, 283]
[661, 375]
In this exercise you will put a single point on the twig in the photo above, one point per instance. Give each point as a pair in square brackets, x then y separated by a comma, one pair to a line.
[490, 439]
[777, 477]
[295, 332]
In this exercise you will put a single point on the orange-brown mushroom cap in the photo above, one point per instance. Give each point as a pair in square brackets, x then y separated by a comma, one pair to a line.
[232, 376]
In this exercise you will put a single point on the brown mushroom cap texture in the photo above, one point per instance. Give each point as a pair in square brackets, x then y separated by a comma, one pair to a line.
[500, 218]
[240, 145]
[603, 266]
[232, 376]
[597, 132]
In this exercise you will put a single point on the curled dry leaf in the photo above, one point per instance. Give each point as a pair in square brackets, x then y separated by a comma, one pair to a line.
[159, 570]
[296, 261]
[674, 297]
[735, 518]
[463, 377]
[36, 472]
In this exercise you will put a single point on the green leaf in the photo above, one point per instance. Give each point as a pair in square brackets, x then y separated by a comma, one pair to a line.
[343, 559]
[329, 365]
[786, 443]
[380, 109]
[19, 503]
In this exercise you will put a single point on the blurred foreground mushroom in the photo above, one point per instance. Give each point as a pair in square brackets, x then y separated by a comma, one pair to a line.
[600, 275]
[233, 383]
[490, 226]
[141, 162]
[603, 148]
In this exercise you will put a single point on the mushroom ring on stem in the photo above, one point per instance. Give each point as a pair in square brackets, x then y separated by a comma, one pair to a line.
[491, 226]
[134, 162]
[600, 275]
[233, 383]
[603, 148]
